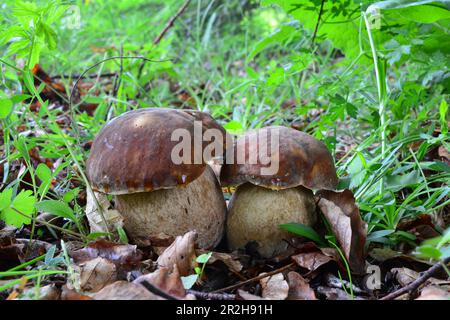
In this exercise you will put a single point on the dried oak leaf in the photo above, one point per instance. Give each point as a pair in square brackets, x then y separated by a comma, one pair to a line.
[169, 282]
[123, 290]
[124, 256]
[180, 253]
[96, 274]
[231, 260]
[312, 260]
[340, 210]
[433, 293]
[274, 287]
[299, 288]
[111, 216]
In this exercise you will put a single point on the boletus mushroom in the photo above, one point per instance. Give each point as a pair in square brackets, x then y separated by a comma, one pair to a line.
[276, 188]
[132, 158]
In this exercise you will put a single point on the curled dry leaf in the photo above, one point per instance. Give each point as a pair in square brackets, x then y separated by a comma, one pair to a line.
[96, 274]
[123, 290]
[229, 259]
[274, 287]
[169, 282]
[311, 260]
[299, 288]
[340, 210]
[405, 276]
[433, 293]
[113, 218]
[180, 253]
[124, 256]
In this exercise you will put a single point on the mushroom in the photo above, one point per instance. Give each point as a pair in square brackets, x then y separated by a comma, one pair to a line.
[131, 158]
[263, 200]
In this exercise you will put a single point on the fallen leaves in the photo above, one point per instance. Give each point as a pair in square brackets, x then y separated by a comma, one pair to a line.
[312, 260]
[168, 282]
[274, 287]
[126, 257]
[96, 274]
[299, 288]
[123, 290]
[343, 215]
[181, 253]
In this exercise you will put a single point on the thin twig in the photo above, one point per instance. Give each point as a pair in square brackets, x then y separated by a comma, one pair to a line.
[169, 25]
[155, 290]
[257, 278]
[413, 286]
[212, 295]
[91, 76]
[171, 22]
[317, 23]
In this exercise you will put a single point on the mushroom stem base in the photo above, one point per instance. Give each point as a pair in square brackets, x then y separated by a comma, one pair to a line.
[198, 206]
[255, 214]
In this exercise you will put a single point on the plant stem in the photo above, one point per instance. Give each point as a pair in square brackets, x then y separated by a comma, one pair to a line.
[381, 88]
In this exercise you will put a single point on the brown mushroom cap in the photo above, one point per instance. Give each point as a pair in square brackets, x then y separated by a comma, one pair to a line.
[303, 160]
[132, 153]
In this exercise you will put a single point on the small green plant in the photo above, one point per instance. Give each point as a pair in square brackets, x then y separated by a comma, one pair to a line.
[189, 281]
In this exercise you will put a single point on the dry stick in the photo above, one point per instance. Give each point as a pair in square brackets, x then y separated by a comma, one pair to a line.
[74, 76]
[212, 295]
[169, 25]
[261, 276]
[413, 286]
[155, 290]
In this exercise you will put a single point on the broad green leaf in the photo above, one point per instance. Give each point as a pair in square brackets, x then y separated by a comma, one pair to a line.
[24, 203]
[277, 37]
[203, 258]
[189, 281]
[397, 182]
[6, 107]
[429, 252]
[43, 173]
[304, 231]
[428, 11]
[56, 208]
[234, 127]
[5, 198]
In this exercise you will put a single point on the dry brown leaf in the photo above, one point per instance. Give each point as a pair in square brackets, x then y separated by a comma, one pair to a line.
[111, 216]
[96, 274]
[433, 293]
[299, 289]
[405, 276]
[340, 210]
[274, 287]
[229, 259]
[180, 253]
[124, 256]
[123, 290]
[70, 294]
[169, 282]
[311, 260]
